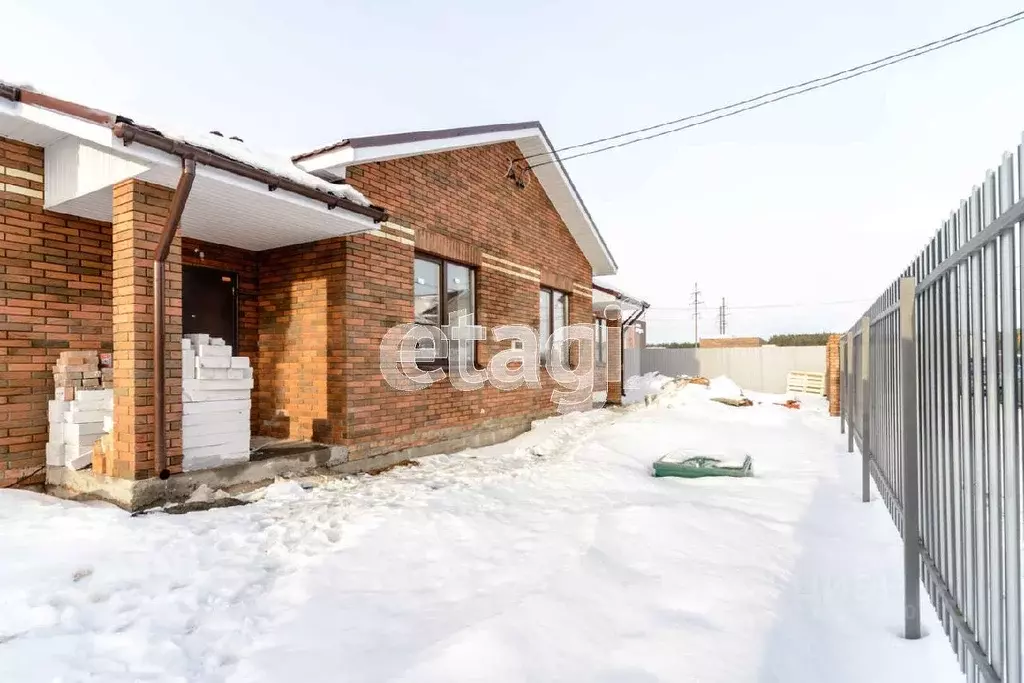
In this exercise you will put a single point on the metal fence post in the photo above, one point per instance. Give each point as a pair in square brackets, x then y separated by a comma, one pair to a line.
[851, 412]
[842, 388]
[911, 500]
[865, 418]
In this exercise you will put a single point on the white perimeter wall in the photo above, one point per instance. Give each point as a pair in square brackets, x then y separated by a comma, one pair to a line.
[759, 369]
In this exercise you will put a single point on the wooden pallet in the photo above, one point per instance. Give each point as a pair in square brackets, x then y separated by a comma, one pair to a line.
[799, 382]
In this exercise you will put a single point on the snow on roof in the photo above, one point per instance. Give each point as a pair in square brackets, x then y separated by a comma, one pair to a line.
[607, 283]
[279, 165]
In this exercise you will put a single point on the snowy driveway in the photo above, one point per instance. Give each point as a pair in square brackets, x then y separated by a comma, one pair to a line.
[554, 557]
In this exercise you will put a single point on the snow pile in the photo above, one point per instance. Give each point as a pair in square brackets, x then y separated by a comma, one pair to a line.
[274, 163]
[639, 386]
[205, 494]
[283, 489]
[723, 387]
[442, 572]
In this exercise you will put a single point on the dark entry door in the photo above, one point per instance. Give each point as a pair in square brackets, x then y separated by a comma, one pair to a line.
[209, 303]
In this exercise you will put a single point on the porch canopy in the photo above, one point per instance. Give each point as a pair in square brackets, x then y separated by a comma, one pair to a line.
[604, 297]
[240, 197]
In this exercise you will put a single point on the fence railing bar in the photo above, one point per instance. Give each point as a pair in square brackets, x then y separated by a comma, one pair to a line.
[955, 425]
[1010, 218]
[888, 495]
[886, 489]
[993, 454]
[1011, 448]
[886, 312]
[943, 455]
[930, 441]
[965, 565]
[986, 670]
[947, 455]
[978, 418]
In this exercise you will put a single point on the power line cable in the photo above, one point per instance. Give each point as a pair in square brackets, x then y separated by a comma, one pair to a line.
[791, 91]
[689, 309]
[773, 92]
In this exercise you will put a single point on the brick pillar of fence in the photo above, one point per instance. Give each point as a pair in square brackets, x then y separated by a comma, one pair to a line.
[832, 374]
[614, 357]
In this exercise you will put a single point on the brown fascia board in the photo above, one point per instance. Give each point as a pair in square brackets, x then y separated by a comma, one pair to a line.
[38, 99]
[131, 133]
[417, 136]
[619, 295]
[128, 131]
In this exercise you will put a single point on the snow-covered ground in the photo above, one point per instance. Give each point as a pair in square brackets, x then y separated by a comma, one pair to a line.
[554, 557]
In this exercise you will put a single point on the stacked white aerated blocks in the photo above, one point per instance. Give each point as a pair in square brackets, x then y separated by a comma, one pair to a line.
[215, 400]
[75, 425]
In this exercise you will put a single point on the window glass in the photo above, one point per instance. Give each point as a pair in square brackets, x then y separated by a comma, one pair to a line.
[442, 293]
[545, 322]
[459, 292]
[560, 318]
[427, 292]
[459, 302]
[600, 339]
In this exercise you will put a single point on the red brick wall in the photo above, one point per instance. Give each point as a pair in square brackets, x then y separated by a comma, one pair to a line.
[324, 308]
[298, 392]
[55, 292]
[465, 196]
[730, 342]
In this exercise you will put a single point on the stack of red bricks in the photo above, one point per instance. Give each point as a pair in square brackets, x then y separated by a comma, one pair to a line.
[81, 411]
[730, 343]
[81, 370]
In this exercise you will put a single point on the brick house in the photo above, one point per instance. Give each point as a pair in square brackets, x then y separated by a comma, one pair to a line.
[302, 265]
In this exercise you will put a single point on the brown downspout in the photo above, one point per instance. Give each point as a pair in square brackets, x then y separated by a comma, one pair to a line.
[163, 248]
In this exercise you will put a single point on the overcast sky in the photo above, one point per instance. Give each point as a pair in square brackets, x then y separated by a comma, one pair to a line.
[822, 198]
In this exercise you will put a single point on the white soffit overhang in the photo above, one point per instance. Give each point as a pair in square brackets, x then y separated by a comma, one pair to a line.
[84, 160]
[532, 142]
[600, 308]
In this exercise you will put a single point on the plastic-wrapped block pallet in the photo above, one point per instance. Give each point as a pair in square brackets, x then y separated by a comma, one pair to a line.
[76, 425]
[216, 392]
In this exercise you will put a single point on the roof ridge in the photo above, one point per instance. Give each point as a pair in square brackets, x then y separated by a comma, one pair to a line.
[417, 136]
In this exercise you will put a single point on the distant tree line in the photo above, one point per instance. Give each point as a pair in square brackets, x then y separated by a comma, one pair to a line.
[674, 345]
[806, 339]
[811, 339]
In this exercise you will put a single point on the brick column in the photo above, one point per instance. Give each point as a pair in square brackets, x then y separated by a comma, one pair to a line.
[140, 210]
[832, 374]
[614, 356]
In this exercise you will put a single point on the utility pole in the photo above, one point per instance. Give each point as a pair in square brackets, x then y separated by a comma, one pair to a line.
[721, 317]
[696, 312]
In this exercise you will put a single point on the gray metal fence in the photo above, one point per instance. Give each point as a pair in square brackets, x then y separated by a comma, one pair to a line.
[762, 368]
[931, 389]
[630, 363]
